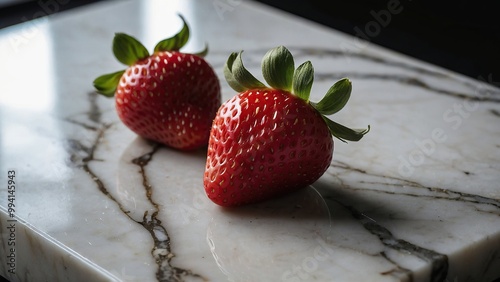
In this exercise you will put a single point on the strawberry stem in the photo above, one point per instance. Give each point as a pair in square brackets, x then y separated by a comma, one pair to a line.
[303, 80]
[106, 84]
[278, 71]
[203, 52]
[278, 68]
[238, 77]
[128, 50]
[345, 133]
[228, 74]
[176, 42]
[335, 98]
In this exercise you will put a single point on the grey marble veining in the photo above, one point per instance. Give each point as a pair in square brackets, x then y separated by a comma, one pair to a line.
[418, 199]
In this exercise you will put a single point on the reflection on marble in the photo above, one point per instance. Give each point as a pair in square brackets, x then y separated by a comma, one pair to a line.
[240, 239]
[417, 199]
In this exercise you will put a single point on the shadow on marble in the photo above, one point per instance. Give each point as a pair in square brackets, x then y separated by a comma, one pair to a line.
[271, 237]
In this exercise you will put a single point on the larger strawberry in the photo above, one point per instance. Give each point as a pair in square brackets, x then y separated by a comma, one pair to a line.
[268, 141]
[170, 97]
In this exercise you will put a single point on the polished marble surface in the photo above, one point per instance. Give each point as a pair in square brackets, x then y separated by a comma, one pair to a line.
[418, 199]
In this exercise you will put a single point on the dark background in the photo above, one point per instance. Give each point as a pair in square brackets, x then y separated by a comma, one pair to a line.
[463, 36]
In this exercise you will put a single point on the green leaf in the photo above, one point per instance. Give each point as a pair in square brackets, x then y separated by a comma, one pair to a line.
[336, 97]
[228, 74]
[243, 76]
[175, 42]
[106, 84]
[203, 52]
[128, 50]
[278, 68]
[303, 80]
[344, 133]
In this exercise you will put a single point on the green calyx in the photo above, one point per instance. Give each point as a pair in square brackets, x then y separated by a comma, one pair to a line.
[129, 51]
[279, 72]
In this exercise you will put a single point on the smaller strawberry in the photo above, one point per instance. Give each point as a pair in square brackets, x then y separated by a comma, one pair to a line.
[268, 141]
[169, 97]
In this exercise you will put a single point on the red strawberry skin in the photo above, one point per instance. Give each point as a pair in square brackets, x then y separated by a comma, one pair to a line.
[170, 97]
[265, 143]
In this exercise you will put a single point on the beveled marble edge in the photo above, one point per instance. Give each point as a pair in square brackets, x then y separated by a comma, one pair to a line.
[24, 246]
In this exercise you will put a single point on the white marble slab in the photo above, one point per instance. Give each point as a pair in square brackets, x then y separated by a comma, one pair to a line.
[418, 199]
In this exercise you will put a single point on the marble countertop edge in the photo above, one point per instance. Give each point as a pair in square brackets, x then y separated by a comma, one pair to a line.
[56, 261]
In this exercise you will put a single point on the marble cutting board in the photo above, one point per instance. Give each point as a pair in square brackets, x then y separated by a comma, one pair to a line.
[418, 199]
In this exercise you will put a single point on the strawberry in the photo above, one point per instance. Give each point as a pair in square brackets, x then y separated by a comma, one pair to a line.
[170, 97]
[268, 141]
